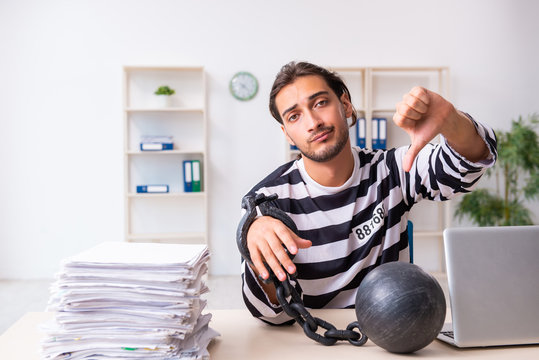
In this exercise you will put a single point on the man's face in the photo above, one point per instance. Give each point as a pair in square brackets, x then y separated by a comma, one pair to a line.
[314, 118]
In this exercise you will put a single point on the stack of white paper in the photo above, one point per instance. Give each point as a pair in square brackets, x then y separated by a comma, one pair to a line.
[130, 301]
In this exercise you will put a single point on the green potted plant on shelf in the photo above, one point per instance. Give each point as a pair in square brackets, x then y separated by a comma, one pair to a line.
[164, 93]
[518, 168]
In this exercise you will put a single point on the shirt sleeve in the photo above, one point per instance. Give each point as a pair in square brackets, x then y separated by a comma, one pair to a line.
[257, 301]
[440, 173]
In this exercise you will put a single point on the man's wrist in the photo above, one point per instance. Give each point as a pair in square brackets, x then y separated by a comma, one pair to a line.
[457, 125]
[267, 288]
[465, 139]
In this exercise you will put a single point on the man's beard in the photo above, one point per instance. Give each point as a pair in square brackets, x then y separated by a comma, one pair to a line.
[328, 153]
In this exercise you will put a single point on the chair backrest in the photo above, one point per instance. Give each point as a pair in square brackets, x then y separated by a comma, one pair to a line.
[410, 230]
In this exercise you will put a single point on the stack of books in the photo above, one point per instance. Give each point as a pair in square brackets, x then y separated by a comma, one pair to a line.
[130, 300]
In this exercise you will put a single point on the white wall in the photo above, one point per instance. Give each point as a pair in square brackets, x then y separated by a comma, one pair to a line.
[60, 95]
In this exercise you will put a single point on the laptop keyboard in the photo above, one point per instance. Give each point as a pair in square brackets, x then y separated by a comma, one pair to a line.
[448, 334]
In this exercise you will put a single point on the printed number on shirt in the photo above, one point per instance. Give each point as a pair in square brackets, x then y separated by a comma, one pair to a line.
[364, 231]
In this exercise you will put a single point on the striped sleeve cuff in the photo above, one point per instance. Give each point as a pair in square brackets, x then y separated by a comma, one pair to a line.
[465, 165]
[257, 300]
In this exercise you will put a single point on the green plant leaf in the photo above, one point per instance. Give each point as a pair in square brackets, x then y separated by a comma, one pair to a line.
[518, 215]
[482, 207]
[518, 163]
[164, 90]
[531, 190]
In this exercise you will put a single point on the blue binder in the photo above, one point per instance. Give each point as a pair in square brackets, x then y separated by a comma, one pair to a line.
[382, 133]
[156, 146]
[152, 188]
[375, 140]
[156, 143]
[361, 132]
[187, 176]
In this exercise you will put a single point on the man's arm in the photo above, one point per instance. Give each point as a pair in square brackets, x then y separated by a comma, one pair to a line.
[424, 114]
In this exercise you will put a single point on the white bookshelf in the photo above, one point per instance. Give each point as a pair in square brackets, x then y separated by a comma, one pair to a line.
[176, 216]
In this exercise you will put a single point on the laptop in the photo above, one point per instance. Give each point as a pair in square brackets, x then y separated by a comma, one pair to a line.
[493, 278]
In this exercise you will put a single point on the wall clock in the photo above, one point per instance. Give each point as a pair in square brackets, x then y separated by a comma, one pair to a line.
[243, 86]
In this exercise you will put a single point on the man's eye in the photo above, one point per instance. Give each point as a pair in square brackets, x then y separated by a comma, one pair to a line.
[321, 103]
[293, 117]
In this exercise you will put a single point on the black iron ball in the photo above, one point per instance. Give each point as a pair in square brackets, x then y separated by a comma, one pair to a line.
[400, 307]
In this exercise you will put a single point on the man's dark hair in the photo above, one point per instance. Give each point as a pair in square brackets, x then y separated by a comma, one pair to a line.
[291, 71]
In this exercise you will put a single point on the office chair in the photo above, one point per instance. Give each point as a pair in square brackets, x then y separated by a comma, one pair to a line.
[410, 230]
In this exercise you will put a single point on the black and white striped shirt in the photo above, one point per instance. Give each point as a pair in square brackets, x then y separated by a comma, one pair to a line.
[361, 224]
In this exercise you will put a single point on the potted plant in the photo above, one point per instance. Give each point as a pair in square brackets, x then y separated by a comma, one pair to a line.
[518, 168]
[164, 92]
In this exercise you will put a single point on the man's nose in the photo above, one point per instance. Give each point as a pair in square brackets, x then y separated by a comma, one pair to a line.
[314, 120]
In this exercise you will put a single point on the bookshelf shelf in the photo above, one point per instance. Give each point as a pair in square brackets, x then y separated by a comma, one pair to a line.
[428, 234]
[166, 110]
[166, 152]
[176, 216]
[132, 68]
[187, 238]
[168, 195]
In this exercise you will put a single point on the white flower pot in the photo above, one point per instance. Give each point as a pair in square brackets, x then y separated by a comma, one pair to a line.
[164, 100]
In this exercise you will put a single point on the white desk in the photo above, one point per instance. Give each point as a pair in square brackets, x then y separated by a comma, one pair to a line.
[243, 337]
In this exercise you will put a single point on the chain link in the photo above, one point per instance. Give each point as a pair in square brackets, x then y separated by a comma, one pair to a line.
[362, 340]
[296, 310]
[322, 339]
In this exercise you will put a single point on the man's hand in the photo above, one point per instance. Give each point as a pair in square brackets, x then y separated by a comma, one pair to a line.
[424, 114]
[265, 240]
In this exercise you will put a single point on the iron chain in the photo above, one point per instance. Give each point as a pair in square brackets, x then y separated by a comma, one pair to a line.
[293, 307]
[296, 310]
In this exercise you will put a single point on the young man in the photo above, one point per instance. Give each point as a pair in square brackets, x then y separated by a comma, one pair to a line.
[351, 205]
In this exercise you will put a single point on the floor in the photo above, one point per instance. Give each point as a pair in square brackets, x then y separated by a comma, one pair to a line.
[20, 296]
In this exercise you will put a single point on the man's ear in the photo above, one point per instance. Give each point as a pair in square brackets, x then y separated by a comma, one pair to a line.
[287, 137]
[348, 108]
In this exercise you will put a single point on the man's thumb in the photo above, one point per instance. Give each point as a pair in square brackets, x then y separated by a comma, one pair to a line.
[410, 156]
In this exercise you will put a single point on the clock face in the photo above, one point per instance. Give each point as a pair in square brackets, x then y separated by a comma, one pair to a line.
[243, 86]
